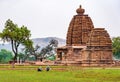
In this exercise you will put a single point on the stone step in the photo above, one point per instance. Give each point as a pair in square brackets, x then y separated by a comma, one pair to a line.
[70, 62]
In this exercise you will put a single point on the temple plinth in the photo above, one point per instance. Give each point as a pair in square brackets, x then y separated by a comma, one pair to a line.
[85, 45]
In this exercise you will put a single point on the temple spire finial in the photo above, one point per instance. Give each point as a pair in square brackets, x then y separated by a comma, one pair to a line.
[80, 6]
[80, 11]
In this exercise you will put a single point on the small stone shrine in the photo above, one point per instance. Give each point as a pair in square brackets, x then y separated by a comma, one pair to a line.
[85, 45]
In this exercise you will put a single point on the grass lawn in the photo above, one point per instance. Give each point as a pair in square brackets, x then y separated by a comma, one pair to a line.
[59, 74]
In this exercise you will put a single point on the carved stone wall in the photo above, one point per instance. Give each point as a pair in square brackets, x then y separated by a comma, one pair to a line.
[99, 39]
[79, 29]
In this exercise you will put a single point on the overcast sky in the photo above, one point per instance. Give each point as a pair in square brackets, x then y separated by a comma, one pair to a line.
[51, 18]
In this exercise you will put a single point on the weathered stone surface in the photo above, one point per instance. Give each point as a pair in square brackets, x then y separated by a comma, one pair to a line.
[79, 29]
[99, 39]
[85, 45]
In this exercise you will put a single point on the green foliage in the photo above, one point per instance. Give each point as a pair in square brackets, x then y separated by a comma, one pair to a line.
[21, 55]
[15, 35]
[5, 56]
[24, 57]
[31, 58]
[52, 58]
[116, 47]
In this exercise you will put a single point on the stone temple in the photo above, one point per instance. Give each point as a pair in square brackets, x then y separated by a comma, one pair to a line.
[85, 44]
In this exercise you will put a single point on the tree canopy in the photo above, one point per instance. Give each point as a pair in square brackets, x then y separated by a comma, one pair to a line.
[5, 56]
[15, 35]
[116, 47]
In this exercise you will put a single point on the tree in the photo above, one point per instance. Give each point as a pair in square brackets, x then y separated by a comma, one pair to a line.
[116, 47]
[49, 50]
[30, 50]
[27, 49]
[5, 56]
[43, 53]
[35, 51]
[15, 35]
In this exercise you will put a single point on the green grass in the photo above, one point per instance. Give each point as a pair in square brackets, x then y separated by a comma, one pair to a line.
[59, 74]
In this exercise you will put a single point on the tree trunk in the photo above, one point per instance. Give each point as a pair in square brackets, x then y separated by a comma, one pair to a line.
[13, 62]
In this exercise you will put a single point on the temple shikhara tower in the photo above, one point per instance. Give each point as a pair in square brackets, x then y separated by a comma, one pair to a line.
[85, 44]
